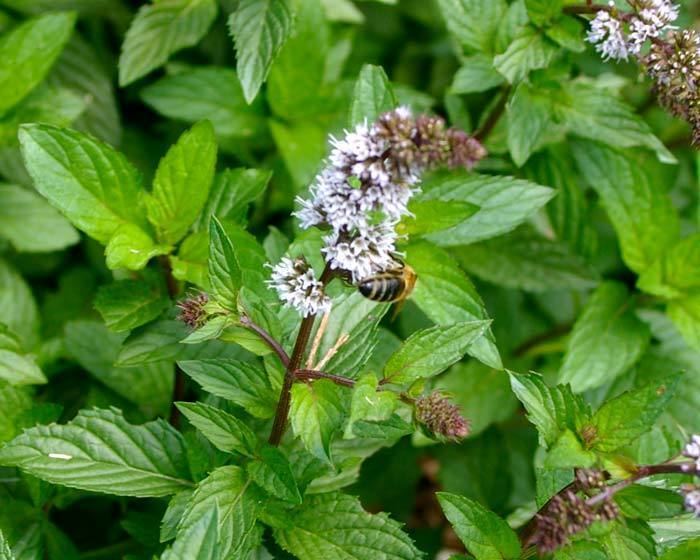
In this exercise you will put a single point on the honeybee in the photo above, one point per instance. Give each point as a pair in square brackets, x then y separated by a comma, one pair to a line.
[393, 285]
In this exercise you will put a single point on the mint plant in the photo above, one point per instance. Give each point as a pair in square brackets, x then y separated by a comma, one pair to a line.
[363, 280]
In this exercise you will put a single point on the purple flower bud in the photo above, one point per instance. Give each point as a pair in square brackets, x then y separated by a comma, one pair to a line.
[192, 311]
[441, 417]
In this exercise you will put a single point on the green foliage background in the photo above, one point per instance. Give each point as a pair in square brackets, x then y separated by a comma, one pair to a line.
[126, 127]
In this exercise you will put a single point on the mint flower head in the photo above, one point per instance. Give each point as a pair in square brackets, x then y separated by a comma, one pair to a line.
[297, 286]
[441, 417]
[192, 311]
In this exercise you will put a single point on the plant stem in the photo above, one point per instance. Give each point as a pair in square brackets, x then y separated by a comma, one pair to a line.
[179, 382]
[280, 422]
[267, 338]
[589, 8]
[494, 116]
[310, 375]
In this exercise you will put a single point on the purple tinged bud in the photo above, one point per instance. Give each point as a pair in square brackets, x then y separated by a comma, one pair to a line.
[192, 311]
[441, 417]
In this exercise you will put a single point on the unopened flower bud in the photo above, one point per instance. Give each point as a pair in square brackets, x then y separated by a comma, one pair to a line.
[192, 311]
[441, 417]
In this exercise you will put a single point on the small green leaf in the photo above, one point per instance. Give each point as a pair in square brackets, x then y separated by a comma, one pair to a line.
[273, 473]
[131, 248]
[17, 306]
[551, 409]
[182, 181]
[228, 489]
[581, 550]
[631, 540]
[28, 51]
[224, 430]
[199, 541]
[623, 419]
[31, 224]
[530, 50]
[18, 369]
[542, 12]
[243, 383]
[606, 340]
[128, 304]
[431, 351]
[675, 273]
[529, 115]
[99, 451]
[567, 32]
[373, 95]
[476, 74]
[224, 267]
[568, 452]
[208, 93]
[159, 30]
[328, 525]
[317, 413]
[485, 535]
[368, 404]
[646, 502]
[259, 29]
[92, 184]
[504, 203]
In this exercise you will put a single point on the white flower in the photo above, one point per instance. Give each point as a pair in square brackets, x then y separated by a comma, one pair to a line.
[297, 287]
[607, 35]
[653, 17]
[365, 254]
[691, 499]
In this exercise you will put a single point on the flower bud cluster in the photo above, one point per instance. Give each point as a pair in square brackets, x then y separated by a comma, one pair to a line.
[691, 498]
[441, 417]
[619, 35]
[297, 286]
[192, 311]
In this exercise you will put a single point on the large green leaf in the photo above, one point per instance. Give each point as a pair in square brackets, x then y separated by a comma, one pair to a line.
[199, 541]
[373, 95]
[20, 369]
[431, 351]
[128, 304]
[633, 192]
[212, 93]
[485, 535]
[182, 182]
[225, 276]
[224, 430]
[334, 526]
[159, 30]
[476, 74]
[243, 383]
[28, 52]
[99, 451]
[677, 271]
[272, 471]
[30, 223]
[606, 340]
[529, 115]
[5, 552]
[529, 51]
[473, 23]
[504, 203]
[631, 540]
[259, 30]
[17, 306]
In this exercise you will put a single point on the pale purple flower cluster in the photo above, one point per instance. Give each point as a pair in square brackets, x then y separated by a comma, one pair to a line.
[619, 35]
[691, 498]
[297, 286]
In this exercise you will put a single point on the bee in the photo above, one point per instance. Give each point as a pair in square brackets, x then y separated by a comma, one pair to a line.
[393, 285]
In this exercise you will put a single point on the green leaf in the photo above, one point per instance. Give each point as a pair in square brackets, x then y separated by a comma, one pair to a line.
[688, 549]
[606, 340]
[92, 184]
[429, 216]
[373, 95]
[368, 404]
[212, 93]
[485, 535]
[685, 313]
[243, 383]
[99, 451]
[542, 12]
[631, 188]
[473, 23]
[182, 181]
[504, 203]
[302, 145]
[631, 540]
[525, 260]
[431, 351]
[567, 32]
[199, 541]
[476, 74]
[328, 525]
[551, 409]
[529, 115]
[568, 452]
[530, 50]
[675, 273]
[17, 306]
[5, 552]
[18, 369]
[317, 413]
[28, 52]
[224, 267]
[598, 115]
[128, 304]
[159, 30]
[14, 402]
[623, 419]
[646, 502]
[581, 550]
[231, 194]
[447, 296]
[273, 473]
[96, 348]
[31, 224]
[131, 248]
[259, 30]
[224, 430]
[228, 489]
